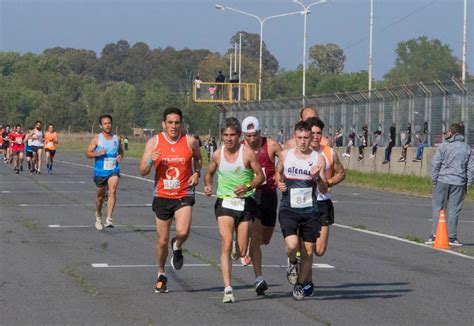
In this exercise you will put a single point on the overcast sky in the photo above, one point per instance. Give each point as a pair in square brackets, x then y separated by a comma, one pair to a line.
[35, 25]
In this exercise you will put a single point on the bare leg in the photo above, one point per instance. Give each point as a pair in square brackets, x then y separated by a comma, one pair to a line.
[226, 230]
[261, 235]
[162, 239]
[112, 184]
[306, 262]
[183, 218]
[322, 241]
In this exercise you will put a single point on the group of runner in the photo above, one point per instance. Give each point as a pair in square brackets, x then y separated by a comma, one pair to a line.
[15, 144]
[249, 172]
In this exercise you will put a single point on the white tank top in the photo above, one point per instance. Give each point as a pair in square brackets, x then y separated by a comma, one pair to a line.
[39, 141]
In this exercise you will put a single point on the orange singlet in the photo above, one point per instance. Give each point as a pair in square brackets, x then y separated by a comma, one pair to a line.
[173, 168]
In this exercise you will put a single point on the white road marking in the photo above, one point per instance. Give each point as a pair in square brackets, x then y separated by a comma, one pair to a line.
[81, 205]
[459, 221]
[43, 182]
[58, 226]
[105, 265]
[402, 240]
[42, 191]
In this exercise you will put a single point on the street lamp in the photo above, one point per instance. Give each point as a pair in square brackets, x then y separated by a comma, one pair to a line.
[306, 12]
[261, 21]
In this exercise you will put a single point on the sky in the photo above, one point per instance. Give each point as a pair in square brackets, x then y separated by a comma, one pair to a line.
[35, 25]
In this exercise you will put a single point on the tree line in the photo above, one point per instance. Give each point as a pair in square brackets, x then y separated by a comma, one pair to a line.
[71, 88]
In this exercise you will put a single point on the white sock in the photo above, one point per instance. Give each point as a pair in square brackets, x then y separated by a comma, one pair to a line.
[159, 273]
[228, 289]
[259, 279]
[175, 247]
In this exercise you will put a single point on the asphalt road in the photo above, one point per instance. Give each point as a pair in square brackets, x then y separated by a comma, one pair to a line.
[55, 268]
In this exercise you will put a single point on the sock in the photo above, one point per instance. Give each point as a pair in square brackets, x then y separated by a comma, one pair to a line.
[228, 289]
[175, 247]
[159, 273]
[259, 279]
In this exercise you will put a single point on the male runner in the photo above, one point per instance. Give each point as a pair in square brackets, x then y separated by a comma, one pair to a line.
[6, 144]
[50, 141]
[305, 114]
[300, 173]
[266, 150]
[29, 151]
[335, 174]
[17, 139]
[106, 150]
[238, 174]
[176, 159]
[37, 143]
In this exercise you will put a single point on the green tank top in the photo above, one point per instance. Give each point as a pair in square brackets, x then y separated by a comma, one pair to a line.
[230, 175]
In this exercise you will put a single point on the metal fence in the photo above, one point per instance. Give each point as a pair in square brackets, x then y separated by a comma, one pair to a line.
[431, 106]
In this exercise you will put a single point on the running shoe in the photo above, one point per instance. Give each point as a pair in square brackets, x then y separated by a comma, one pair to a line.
[431, 240]
[160, 286]
[261, 286]
[292, 274]
[454, 242]
[234, 255]
[109, 222]
[17, 171]
[98, 222]
[245, 260]
[228, 296]
[298, 292]
[177, 259]
[308, 289]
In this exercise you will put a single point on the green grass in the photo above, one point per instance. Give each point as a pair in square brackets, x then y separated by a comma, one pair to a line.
[408, 184]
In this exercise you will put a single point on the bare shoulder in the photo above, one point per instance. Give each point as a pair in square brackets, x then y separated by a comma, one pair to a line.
[290, 143]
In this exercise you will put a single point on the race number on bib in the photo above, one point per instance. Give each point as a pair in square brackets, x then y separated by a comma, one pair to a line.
[50, 144]
[301, 197]
[19, 141]
[171, 184]
[237, 204]
[109, 163]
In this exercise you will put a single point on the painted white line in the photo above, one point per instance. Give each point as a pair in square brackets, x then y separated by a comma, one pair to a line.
[105, 265]
[43, 182]
[5, 192]
[402, 240]
[42, 191]
[81, 205]
[58, 226]
[459, 221]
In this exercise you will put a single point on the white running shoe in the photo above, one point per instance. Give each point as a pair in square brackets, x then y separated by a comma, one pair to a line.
[228, 296]
[109, 222]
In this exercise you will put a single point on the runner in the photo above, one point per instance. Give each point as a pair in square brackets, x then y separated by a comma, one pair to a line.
[50, 141]
[107, 152]
[176, 159]
[1, 139]
[238, 174]
[6, 144]
[335, 174]
[305, 114]
[300, 173]
[266, 150]
[29, 151]
[17, 140]
[37, 143]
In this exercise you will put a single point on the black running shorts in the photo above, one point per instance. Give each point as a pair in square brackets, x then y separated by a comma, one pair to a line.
[326, 212]
[36, 148]
[247, 214]
[103, 181]
[267, 204]
[306, 226]
[29, 154]
[52, 152]
[165, 208]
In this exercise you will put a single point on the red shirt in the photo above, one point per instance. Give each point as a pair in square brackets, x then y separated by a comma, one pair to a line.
[17, 141]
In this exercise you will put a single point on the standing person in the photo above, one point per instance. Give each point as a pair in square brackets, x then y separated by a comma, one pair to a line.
[17, 139]
[391, 143]
[125, 143]
[106, 150]
[220, 88]
[234, 79]
[29, 151]
[176, 159]
[50, 142]
[266, 151]
[335, 173]
[238, 175]
[197, 85]
[300, 173]
[452, 172]
[37, 143]
[6, 144]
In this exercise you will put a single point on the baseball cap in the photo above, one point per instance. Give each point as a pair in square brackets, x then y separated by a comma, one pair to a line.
[250, 124]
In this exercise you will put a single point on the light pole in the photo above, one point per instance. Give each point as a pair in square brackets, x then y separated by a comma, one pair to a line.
[261, 21]
[464, 44]
[371, 23]
[306, 12]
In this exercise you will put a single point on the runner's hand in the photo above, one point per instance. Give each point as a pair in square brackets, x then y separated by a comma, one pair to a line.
[193, 180]
[208, 190]
[100, 153]
[155, 155]
[282, 186]
[240, 190]
[315, 170]
[119, 158]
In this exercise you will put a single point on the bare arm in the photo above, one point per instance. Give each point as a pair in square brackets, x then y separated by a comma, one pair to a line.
[290, 143]
[279, 177]
[274, 149]
[149, 156]
[90, 152]
[120, 153]
[339, 171]
[197, 161]
[320, 173]
[211, 170]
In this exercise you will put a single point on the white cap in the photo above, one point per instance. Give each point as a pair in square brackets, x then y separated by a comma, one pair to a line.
[250, 124]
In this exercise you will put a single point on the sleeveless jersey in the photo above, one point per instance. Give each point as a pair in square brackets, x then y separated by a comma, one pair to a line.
[39, 139]
[49, 140]
[268, 167]
[328, 154]
[300, 196]
[173, 168]
[107, 164]
[231, 175]
[17, 141]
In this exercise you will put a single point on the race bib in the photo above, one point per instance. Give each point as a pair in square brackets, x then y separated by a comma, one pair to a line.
[19, 141]
[237, 204]
[171, 184]
[109, 163]
[50, 144]
[301, 197]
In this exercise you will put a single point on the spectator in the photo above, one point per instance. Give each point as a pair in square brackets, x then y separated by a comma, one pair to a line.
[377, 139]
[406, 140]
[363, 141]
[234, 79]
[391, 143]
[281, 137]
[452, 173]
[212, 92]
[350, 143]
[338, 139]
[420, 141]
[125, 143]
[220, 79]
[197, 85]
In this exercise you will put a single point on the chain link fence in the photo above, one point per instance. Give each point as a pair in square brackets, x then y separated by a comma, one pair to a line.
[429, 107]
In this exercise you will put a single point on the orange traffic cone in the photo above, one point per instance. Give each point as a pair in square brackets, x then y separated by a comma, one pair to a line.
[441, 240]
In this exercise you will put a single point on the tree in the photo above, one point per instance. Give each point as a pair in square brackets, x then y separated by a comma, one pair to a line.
[420, 59]
[328, 58]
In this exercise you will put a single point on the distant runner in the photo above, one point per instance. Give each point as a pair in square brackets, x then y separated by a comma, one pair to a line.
[50, 141]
